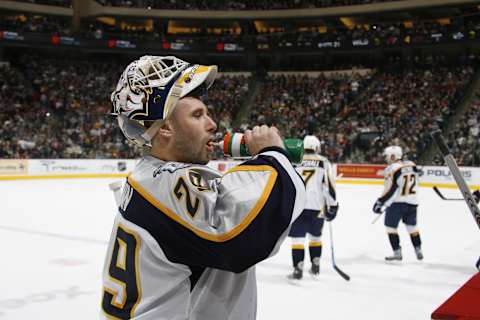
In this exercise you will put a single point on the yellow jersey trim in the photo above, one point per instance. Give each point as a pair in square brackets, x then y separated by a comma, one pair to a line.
[235, 231]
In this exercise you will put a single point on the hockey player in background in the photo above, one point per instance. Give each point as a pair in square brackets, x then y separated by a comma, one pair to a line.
[400, 200]
[186, 238]
[321, 204]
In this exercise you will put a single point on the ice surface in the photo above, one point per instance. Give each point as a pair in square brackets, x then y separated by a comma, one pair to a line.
[53, 236]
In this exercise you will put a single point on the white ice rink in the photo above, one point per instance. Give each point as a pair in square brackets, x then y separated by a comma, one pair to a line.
[53, 236]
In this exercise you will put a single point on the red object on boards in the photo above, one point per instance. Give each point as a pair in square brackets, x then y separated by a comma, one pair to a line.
[463, 304]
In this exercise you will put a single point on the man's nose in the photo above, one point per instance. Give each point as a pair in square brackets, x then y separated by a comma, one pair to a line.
[212, 126]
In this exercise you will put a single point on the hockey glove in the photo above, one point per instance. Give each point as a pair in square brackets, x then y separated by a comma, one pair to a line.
[331, 213]
[476, 195]
[377, 207]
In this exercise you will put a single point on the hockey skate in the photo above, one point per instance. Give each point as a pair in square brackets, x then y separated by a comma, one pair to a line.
[315, 268]
[297, 274]
[419, 253]
[397, 256]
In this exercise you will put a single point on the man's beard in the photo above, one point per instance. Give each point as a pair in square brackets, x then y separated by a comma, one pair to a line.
[182, 143]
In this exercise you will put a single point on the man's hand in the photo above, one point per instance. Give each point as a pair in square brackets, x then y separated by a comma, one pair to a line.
[377, 207]
[331, 213]
[261, 137]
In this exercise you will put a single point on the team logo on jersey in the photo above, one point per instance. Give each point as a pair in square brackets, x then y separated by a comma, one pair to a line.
[196, 179]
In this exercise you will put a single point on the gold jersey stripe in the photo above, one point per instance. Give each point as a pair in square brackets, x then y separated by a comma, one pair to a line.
[235, 231]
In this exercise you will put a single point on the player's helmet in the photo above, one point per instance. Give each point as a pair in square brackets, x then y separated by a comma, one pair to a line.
[148, 90]
[311, 143]
[393, 153]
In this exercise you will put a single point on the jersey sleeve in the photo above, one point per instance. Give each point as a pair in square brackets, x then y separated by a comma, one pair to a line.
[390, 187]
[392, 183]
[329, 185]
[228, 222]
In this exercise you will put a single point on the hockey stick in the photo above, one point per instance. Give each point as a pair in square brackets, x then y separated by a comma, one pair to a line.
[334, 264]
[452, 164]
[443, 197]
[378, 217]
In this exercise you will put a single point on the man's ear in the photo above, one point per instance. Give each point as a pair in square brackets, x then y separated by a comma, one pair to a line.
[166, 129]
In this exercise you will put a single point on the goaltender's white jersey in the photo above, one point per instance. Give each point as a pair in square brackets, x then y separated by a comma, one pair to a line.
[316, 172]
[401, 183]
[186, 238]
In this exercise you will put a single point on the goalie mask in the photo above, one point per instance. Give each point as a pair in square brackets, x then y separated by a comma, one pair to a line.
[149, 89]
